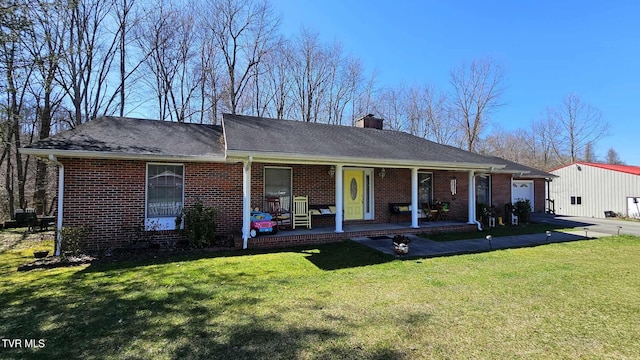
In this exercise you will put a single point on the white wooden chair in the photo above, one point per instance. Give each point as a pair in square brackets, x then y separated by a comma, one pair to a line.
[301, 213]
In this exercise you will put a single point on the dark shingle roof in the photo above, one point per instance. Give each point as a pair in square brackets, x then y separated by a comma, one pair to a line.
[527, 172]
[116, 136]
[288, 140]
[246, 134]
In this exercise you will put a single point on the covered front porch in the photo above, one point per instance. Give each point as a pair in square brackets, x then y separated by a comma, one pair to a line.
[359, 199]
[327, 233]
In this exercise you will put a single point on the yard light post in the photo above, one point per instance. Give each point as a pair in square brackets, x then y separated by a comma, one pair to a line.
[586, 232]
[619, 228]
[489, 237]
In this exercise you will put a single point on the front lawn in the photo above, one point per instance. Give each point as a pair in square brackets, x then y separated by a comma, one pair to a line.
[339, 301]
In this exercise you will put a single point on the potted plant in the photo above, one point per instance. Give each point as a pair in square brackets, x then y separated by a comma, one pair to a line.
[401, 244]
[40, 254]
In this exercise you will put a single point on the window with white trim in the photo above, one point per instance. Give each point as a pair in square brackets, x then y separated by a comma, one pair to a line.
[277, 182]
[165, 194]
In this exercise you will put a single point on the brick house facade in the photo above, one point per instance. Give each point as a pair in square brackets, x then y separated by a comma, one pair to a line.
[108, 195]
[105, 186]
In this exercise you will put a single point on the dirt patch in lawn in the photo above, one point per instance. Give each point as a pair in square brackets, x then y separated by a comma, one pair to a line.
[51, 262]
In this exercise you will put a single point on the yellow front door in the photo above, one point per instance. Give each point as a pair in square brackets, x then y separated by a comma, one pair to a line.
[353, 195]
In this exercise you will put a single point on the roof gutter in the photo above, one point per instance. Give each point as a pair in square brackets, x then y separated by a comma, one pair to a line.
[58, 245]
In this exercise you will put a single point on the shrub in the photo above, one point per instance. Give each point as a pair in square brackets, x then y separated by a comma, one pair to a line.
[140, 236]
[199, 224]
[522, 209]
[72, 238]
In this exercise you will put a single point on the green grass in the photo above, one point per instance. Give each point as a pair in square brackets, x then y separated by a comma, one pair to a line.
[507, 230]
[338, 301]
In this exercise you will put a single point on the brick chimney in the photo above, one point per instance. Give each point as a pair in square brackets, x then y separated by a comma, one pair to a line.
[369, 121]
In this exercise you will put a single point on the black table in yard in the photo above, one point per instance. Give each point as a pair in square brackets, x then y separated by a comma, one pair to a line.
[46, 221]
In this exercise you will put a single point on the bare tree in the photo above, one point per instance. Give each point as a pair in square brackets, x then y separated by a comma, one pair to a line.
[364, 98]
[44, 42]
[506, 145]
[244, 31]
[589, 155]
[428, 114]
[345, 78]
[127, 19]
[613, 158]
[311, 74]
[17, 68]
[476, 92]
[211, 84]
[279, 80]
[579, 125]
[390, 104]
[270, 86]
[168, 35]
[541, 139]
[90, 53]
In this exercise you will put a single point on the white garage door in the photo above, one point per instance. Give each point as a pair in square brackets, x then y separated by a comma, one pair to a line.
[522, 190]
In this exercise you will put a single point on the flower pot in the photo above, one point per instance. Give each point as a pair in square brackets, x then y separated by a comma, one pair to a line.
[401, 249]
[40, 254]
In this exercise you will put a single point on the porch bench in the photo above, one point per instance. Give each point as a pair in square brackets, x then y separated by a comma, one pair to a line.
[324, 210]
[402, 208]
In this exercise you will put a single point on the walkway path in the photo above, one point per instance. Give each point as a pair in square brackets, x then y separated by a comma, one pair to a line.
[421, 247]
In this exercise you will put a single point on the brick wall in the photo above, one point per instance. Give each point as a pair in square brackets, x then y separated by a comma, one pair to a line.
[105, 195]
[459, 203]
[539, 191]
[500, 192]
[109, 195]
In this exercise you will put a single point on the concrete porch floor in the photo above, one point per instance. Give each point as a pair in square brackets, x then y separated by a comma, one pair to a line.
[348, 228]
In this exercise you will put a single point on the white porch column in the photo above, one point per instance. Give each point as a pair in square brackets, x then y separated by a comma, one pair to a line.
[472, 198]
[339, 198]
[246, 202]
[414, 198]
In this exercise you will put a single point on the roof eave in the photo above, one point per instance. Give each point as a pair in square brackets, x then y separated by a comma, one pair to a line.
[119, 156]
[525, 174]
[285, 158]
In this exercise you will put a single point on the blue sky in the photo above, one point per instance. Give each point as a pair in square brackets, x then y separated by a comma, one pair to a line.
[548, 49]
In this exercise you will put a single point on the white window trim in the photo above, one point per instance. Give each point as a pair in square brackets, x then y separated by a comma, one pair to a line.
[160, 223]
[371, 215]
